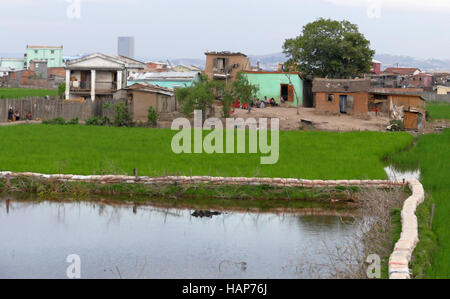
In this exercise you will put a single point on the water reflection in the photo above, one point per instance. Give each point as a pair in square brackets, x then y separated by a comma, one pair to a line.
[397, 175]
[148, 242]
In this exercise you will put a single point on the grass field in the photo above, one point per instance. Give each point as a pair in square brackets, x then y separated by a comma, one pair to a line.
[432, 155]
[17, 93]
[97, 150]
[439, 110]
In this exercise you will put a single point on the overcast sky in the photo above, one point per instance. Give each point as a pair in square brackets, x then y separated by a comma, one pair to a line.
[186, 28]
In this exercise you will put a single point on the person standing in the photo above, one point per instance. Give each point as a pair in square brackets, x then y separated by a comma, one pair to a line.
[10, 114]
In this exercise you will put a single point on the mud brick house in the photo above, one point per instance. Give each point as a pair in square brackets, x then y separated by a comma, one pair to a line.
[225, 65]
[141, 96]
[98, 75]
[347, 96]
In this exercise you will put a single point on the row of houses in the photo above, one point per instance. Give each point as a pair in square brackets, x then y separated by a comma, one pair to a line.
[404, 77]
[101, 76]
[357, 97]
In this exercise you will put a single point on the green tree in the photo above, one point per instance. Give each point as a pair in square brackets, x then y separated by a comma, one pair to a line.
[243, 90]
[329, 48]
[200, 96]
[61, 90]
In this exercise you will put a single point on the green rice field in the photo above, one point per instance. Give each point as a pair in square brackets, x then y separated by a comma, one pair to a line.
[89, 150]
[17, 93]
[432, 156]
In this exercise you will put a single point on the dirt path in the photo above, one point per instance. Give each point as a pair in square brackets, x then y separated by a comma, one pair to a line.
[24, 122]
[289, 120]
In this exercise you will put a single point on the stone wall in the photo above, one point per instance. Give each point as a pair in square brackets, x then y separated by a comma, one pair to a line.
[193, 180]
[403, 251]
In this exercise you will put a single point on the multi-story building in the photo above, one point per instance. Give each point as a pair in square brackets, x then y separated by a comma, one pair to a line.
[98, 75]
[125, 46]
[225, 65]
[53, 55]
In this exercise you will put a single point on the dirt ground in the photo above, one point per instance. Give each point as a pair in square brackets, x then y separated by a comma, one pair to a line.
[22, 122]
[289, 120]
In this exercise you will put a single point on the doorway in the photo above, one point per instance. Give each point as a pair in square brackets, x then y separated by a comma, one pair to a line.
[287, 92]
[343, 103]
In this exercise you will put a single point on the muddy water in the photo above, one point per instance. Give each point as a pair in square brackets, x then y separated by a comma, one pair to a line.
[148, 242]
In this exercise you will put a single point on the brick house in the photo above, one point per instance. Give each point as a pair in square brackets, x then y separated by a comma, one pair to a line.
[342, 96]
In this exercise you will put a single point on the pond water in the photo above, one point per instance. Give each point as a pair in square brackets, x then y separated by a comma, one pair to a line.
[397, 175]
[117, 241]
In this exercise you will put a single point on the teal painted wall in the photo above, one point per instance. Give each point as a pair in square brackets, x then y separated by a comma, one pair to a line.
[270, 85]
[54, 59]
[16, 64]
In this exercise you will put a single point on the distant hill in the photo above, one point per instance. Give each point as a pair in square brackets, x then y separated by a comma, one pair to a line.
[429, 65]
[268, 62]
[271, 61]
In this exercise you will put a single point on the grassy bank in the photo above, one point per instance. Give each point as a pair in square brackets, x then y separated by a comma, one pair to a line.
[198, 196]
[97, 150]
[438, 110]
[17, 93]
[432, 155]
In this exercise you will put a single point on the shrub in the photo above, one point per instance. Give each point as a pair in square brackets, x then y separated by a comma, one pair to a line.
[93, 121]
[123, 117]
[105, 121]
[152, 116]
[61, 89]
[74, 121]
[55, 121]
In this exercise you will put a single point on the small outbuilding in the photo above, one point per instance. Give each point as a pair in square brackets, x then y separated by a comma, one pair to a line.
[141, 96]
[413, 119]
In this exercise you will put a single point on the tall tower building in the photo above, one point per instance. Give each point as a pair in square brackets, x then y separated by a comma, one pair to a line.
[125, 46]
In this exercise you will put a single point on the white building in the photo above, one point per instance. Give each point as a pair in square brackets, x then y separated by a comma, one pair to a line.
[98, 75]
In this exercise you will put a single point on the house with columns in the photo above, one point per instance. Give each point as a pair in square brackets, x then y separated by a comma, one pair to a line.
[98, 75]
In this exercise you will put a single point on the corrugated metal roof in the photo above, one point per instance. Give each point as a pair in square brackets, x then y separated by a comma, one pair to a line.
[181, 76]
[146, 87]
[341, 85]
[401, 70]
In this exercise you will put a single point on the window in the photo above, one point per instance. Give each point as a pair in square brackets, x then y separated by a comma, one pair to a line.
[220, 64]
[35, 51]
[53, 51]
[330, 97]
